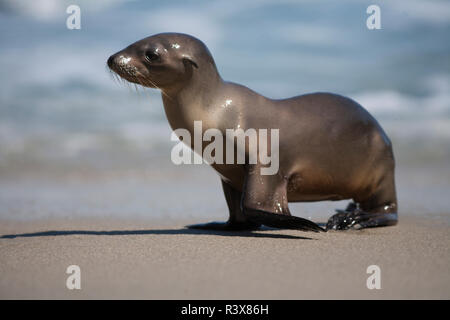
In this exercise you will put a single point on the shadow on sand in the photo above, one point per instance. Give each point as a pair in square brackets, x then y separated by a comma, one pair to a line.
[184, 231]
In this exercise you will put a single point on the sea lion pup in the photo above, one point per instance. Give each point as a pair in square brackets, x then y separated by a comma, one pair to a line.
[330, 148]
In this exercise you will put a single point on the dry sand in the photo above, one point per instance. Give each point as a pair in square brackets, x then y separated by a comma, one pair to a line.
[153, 260]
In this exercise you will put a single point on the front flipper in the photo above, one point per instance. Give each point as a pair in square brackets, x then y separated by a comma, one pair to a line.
[226, 226]
[237, 220]
[265, 202]
[281, 221]
[355, 218]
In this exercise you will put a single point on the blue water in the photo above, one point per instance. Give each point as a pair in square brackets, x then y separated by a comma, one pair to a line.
[57, 100]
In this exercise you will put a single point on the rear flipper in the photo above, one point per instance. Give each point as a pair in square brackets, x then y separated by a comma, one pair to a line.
[355, 218]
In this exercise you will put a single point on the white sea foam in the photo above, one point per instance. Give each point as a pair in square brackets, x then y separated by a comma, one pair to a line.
[434, 105]
[58, 100]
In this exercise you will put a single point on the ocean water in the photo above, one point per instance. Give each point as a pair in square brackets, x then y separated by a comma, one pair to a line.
[61, 111]
[58, 101]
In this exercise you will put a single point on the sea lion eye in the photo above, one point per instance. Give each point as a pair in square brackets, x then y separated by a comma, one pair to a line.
[151, 56]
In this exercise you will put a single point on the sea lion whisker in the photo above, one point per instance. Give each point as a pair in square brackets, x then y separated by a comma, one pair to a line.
[162, 91]
[113, 76]
[143, 87]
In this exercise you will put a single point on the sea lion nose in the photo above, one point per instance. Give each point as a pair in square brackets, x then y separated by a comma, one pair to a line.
[111, 60]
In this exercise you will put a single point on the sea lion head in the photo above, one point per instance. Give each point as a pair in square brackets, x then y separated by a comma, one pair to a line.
[161, 61]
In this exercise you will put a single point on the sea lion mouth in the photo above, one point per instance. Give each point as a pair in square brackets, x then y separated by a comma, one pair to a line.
[122, 66]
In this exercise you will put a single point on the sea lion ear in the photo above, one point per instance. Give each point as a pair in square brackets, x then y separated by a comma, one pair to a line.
[188, 59]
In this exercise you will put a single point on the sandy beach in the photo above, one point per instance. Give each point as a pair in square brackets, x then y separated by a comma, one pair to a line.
[141, 260]
[126, 231]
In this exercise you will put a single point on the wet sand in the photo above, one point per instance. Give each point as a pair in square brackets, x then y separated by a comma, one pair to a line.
[160, 260]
